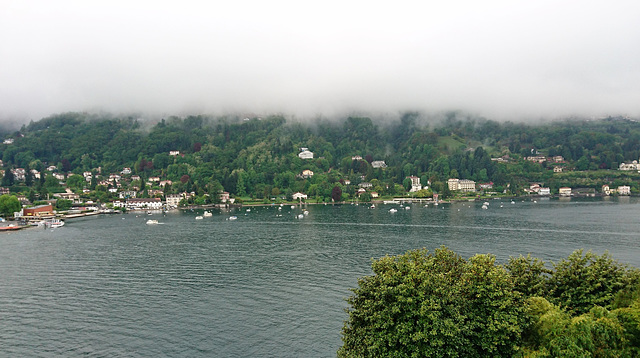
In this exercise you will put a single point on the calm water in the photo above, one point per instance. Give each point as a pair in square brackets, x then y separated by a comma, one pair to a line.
[260, 286]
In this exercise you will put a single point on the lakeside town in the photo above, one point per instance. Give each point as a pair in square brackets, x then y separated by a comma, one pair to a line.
[78, 164]
[122, 186]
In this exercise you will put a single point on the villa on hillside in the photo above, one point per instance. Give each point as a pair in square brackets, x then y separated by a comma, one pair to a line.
[378, 164]
[564, 191]
[305, 154]
[624, 190]
[299, 196]
[631, 166]
[143, 203]
[173, 200]
[415, 184]
[463, 185]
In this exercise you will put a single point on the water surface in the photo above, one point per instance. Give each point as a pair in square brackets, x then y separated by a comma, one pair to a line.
[265, 285]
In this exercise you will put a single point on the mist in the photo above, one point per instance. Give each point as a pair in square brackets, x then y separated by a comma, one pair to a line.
[500, 60]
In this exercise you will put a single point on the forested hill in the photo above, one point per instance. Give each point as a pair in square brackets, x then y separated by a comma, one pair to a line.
[258, 157]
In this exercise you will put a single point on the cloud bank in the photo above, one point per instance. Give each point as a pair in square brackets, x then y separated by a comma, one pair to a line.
[504, 60]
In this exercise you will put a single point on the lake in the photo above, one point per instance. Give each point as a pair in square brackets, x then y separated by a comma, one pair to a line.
[265, 285]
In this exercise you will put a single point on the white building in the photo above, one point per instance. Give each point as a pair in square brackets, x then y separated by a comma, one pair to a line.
[305, 154]
[173, 200]
[564, 191]
[415, 184]
[143, 203]
[378, 164]
[127, 194]
[624, 190]
[126, 171]
[299, 196]
[544, 191]
[461, 185]
[632, 166]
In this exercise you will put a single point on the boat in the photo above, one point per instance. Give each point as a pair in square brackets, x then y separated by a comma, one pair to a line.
[199, 217]
[233, 218]
[207, 214]
[300, 216]
[55, 223]
[152, 222]
[393, 210]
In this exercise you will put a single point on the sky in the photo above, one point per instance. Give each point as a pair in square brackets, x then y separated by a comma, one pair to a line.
[499, 59]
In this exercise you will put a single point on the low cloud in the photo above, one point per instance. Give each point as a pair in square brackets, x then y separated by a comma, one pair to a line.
[502, 61]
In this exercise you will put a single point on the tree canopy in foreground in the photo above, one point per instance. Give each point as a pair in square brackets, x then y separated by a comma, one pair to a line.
[438, 304]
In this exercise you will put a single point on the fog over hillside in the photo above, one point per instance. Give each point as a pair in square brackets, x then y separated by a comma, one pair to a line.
[503, 60]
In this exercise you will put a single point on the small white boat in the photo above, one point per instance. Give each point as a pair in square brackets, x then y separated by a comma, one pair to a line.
[199, 217]
[152, 222]
[393, 210]
[300, 216]
[233, 218]
[207, 214]
[248, 210]
[306, 213]
[485, 207]
[55, 223]
[407, 208]
[293, 206]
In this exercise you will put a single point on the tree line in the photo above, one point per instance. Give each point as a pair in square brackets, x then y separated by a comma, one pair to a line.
[258, 157]
[423, 304]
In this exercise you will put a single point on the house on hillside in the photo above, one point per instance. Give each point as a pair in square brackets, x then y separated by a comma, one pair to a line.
[143, 203]
[173, 200]
[378, 164]
[415, 184]
[564, 191]
[305, 154]
[299, 196]
[463, 185]
[631, 166]
[624, 190]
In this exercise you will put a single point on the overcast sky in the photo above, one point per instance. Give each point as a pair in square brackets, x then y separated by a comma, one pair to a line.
[499, 59]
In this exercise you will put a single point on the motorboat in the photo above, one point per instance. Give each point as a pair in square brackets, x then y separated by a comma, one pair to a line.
[199, 217]
[152, 222]
[207, 214]
[55, 223]
[233, 218]
[393, 210]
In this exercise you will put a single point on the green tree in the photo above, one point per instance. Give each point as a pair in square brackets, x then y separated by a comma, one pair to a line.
[9, 204]
[76, 182]
[584, 280]
[8, 179]
[529, 275]
[433, 305]
[63, 204]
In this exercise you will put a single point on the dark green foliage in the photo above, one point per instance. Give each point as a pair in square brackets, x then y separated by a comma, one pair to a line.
[433, 305]
[8, 205]
[584, 280]
[529, 274]
[266, 150]
[440, 305]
